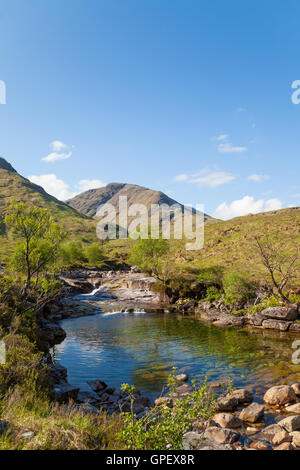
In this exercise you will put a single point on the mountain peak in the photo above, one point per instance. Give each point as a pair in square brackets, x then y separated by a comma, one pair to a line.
[4, 165]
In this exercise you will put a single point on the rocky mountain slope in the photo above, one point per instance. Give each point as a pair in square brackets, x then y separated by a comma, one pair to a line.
[88, 202]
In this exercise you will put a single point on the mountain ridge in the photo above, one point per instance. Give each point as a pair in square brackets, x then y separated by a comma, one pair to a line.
[88, 202]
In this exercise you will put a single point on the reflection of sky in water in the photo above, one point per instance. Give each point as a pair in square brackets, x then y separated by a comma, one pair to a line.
[143, 348]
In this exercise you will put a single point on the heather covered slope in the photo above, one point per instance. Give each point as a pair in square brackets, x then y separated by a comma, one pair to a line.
[14, 187]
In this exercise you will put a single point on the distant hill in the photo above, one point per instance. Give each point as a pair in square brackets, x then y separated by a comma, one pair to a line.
[15, 186]
[88, 202]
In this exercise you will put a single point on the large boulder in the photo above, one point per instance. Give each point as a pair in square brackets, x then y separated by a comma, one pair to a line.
[280, 395]
[97, 386]
[226, 404]
[221, 435]
[296, 388]
[291, 423]
[227, 420]
[195, 441]
[271, 324]
[242, 395]
[282, 313]
[252, 413]
[296, 438]
[294, 409]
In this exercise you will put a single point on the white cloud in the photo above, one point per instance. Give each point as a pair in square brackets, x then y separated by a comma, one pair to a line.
[85, 185]
[54, 156]
[257, 178]
[61, 190]
[58, 145]
[53, 185]
[225, 145]
[212, 178]
[182, 177]
[244, 206]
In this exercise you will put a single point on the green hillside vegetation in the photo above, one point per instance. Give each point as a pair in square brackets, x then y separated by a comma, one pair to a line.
[15, 187]
[229, 246]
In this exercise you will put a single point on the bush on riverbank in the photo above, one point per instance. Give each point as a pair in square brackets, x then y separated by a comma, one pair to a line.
[164, 426]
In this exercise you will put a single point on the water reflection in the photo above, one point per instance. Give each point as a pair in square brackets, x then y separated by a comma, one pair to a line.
[143, 348]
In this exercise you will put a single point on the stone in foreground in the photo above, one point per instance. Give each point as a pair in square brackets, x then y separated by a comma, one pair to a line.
[242, 395]
[226, 404]
[252, 413]
[281, 437]
[195, 441]
[281, 313]
[221, 435]
[227, 420]
[290, 424]
[280, 395]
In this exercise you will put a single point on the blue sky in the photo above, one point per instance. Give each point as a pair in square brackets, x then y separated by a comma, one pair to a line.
[189, 97]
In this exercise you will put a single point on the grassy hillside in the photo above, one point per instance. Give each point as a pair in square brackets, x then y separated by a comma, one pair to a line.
[14, 186]
[230, 244]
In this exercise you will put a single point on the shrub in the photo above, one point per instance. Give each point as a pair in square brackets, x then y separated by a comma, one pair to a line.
[213, 294]
[237, 288]
[71, 254]
[94, 255]
[164, 426]
[23, 367]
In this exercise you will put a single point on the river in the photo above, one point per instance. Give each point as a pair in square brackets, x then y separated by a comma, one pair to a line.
[142, 348]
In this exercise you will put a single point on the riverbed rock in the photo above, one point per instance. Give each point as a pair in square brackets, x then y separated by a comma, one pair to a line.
[271, 324]
[54, 333]
[252, 413]
[88, 397]
[280, 395]
[227, 420]
[221, 435]
[259, 445]
[182, 377]
[242, 395]
[296, 438]
[296, 388]
[226, 404]
[293, 408]
[97, 385]
[281, 437]
[295, 327]
[285, 446]
[66, 392]
[281, 313]
[291, 423]
[195, 441]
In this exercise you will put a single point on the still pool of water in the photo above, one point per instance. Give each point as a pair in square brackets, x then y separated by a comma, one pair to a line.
[143, 348]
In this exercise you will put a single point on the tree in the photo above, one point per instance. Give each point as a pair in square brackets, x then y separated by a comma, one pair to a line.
[40, 238]
[152, 256]
[94, 255]
[281, 261]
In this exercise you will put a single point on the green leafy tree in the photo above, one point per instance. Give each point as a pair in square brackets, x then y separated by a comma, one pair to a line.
[152, 256]
[72, 254]
[40, 238]
[94, 255]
